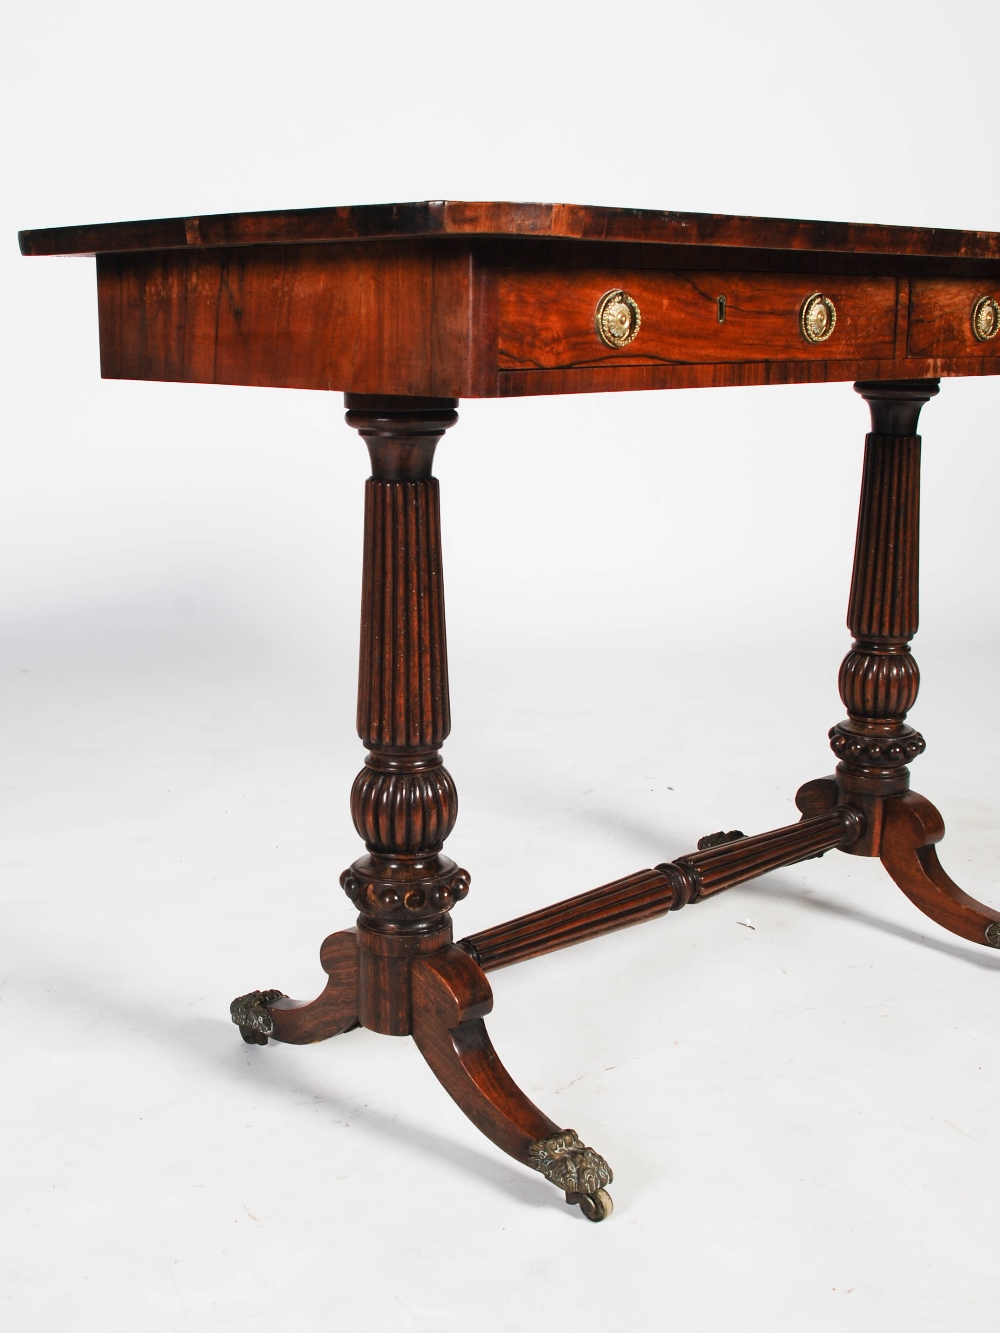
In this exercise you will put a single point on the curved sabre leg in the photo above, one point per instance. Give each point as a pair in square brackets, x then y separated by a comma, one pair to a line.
[450, 997]
[270, 1014]
[912, 827]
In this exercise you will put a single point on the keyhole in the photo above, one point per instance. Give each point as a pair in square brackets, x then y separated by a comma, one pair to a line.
[721, 304]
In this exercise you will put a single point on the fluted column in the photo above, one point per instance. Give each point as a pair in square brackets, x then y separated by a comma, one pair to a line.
[403, 802]
[879, 677]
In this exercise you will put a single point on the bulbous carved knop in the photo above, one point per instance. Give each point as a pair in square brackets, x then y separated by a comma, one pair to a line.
[404, 811]
[877, 684]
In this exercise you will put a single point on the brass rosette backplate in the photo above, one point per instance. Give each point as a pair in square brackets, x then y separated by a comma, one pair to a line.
[616, 318]
[985, 319]
[817, 318]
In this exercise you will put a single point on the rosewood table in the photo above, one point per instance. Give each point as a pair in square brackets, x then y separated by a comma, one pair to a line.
[408, 308]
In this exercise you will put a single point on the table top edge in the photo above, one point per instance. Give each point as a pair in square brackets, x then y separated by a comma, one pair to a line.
[455, 218]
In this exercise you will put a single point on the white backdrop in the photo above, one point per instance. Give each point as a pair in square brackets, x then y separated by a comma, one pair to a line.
[646, 614]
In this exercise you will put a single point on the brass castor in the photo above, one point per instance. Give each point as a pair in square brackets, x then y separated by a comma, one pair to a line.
[595, 1207]
[249, 1013]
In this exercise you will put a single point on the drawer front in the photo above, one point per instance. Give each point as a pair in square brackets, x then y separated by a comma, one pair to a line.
[547, 318]
[942, 315]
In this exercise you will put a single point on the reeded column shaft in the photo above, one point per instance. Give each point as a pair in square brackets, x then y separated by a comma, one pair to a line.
[403, 802]
[879, 677]
[403, 676]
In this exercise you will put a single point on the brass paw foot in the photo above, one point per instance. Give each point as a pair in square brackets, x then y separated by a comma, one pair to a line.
[578, 1170]
[249, 1013]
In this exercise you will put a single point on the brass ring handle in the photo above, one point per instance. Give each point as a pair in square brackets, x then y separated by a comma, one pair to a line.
[617, 318]
[985, 319]
[817, 318]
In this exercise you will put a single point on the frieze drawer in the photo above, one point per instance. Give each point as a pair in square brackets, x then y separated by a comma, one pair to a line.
[954, 317]
[583, 317]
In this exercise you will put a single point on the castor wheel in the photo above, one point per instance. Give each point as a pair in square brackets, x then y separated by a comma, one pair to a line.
[249, 1013]
[595, 1207]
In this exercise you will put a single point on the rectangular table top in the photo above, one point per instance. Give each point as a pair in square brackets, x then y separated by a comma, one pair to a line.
[451, 299]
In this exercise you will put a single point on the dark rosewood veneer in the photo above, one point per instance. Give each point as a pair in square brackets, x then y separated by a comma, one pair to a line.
[406, 308]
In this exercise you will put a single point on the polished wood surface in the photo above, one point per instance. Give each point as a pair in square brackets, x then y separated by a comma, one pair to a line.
[452, 997]
[399, 318]
[938, 317]
[332, 1012]
[495, 300]
[545, 324]
[411, 307]
[401, 974]
[456, 218]
[721, 862]
[911, 829]
[404, 802]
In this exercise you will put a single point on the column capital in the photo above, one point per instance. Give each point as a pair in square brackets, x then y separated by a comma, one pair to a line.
[401, 433]
[895, 404]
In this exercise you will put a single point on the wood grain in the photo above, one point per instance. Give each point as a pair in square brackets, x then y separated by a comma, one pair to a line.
[405, 299]
[450, 998]
[423, 318]
[404, 802]
[912, 827]
[546, 319]
[349, 317]
[736, 374]
[409, 307]
[652, 893]
[453, 218]
[332, 1012]
[941, 317]
[879, 677]
[403, 696]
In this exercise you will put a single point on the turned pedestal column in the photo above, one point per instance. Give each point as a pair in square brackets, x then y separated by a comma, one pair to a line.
[404, 801]
[399, 972]
[879, 677]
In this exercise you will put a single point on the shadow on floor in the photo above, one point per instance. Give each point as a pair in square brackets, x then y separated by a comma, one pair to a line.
[772, 888]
